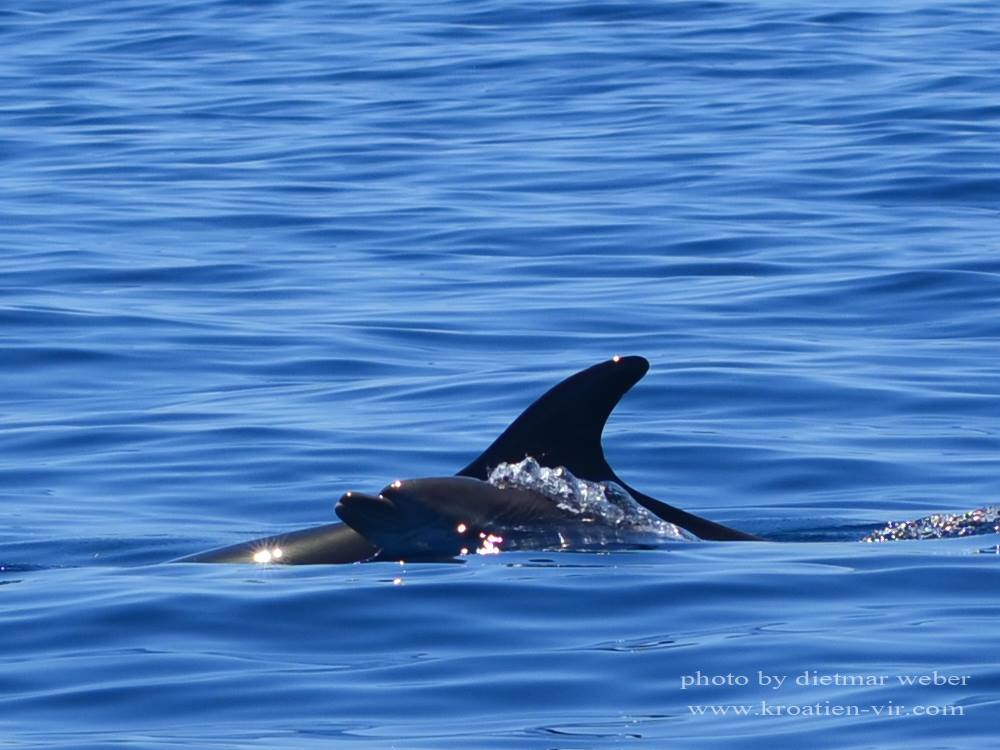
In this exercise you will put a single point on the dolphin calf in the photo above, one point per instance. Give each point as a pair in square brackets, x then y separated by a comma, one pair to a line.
[562, 428]
[445, 516]
[522, 506]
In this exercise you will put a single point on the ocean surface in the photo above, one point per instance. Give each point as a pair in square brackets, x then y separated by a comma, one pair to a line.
[255, 254]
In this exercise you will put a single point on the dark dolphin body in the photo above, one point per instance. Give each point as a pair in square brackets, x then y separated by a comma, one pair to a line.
[562, 428]
[318, 545]
[446, 516]
[440, 517]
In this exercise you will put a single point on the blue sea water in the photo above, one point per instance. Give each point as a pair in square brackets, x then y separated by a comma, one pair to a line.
[253, 254]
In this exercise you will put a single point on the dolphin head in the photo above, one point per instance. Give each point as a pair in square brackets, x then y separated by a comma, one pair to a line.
[443, 515]
[410, 517]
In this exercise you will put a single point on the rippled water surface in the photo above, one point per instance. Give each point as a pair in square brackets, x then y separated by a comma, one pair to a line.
[255, 254]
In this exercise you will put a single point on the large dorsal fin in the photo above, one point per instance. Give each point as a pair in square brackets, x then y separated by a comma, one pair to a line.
[564, 426]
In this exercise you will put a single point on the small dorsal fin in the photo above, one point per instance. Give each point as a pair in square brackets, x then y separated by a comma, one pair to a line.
[564, 426]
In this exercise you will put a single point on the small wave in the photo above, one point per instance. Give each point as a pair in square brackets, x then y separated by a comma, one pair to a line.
[599, 503]
[941, 526]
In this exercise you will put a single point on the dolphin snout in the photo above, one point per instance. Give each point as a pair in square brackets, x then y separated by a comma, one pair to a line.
[359, 509]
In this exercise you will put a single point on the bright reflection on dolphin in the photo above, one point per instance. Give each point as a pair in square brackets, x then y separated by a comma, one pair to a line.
[274, 554]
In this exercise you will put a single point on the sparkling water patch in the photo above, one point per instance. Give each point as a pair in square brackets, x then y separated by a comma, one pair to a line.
[601, 503]
[941, 526]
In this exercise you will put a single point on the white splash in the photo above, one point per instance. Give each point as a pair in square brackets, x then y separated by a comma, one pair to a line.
[940, 526]
[601, 503]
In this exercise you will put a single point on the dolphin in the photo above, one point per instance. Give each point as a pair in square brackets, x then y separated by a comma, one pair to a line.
[561, 428]
[447, 516]
[441, 517]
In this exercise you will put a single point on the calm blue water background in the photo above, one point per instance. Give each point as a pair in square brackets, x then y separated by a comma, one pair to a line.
[256, 254]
